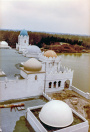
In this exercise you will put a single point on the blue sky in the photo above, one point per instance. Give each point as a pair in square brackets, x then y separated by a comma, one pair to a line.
[61, 16]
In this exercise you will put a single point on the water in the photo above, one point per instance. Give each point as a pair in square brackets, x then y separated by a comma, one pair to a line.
[80, 63]
[14, 121]
[8, 60]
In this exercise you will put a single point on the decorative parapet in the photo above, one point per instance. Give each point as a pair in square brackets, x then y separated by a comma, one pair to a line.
[86, 95]
[50, 59]
[66, 71]
[6, 81]
[53, 75]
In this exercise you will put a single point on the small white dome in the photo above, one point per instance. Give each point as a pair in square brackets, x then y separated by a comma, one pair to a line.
[3, 43]
[33, 49]
[56, 114]
[32, 65]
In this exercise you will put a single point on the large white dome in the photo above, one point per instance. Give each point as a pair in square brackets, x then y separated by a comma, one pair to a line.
[3, 43]
[33, 49]
[32, 65]
[56, 114]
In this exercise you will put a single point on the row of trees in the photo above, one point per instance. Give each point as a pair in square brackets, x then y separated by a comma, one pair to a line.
[38, 38]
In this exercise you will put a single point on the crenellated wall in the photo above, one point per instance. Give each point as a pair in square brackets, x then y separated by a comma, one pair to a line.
[50, 64]
[56, 75]
[52, 75]
[50, 59]
[20, 88]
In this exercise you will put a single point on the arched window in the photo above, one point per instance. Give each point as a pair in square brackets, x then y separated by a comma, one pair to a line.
[54, 84]
[67, 84]
[24, 41]
[59, 83]
[50, 84]
[35, 77]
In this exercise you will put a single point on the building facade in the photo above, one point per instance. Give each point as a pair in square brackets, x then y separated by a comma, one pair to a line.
[23, 41]
[46, 75]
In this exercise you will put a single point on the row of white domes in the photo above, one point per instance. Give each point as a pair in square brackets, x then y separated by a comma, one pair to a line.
[35, 49]
[34, 65]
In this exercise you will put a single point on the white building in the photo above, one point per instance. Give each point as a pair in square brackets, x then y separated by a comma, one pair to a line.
[32, 51]
[4, 45]
[23, 41]
[38, 77]
[23, 46]
[56, 75]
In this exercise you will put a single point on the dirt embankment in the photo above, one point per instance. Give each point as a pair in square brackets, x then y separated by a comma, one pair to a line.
[65, 48]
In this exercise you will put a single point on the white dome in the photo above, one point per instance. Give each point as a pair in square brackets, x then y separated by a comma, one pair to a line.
[56, 114]
[3, 43]
[33, 49]
[32, 65]
[50, 53]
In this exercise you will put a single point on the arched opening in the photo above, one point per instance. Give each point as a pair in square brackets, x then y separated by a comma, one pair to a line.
[54, 84]
[50, 84]
[24, 41]
[59, 83]
[67, 84]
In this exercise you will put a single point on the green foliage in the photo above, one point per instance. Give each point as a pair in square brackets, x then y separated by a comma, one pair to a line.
[39, 39]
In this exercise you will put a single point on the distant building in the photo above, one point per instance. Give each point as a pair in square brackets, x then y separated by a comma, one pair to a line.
[23, 46]
[4, 45]
[32, 51]
[23, 41]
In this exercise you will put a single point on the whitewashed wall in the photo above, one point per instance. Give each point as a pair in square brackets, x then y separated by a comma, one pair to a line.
[22, 45]
[13, 89]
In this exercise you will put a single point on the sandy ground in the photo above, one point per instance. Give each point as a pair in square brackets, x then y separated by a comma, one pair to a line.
[75, 101]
